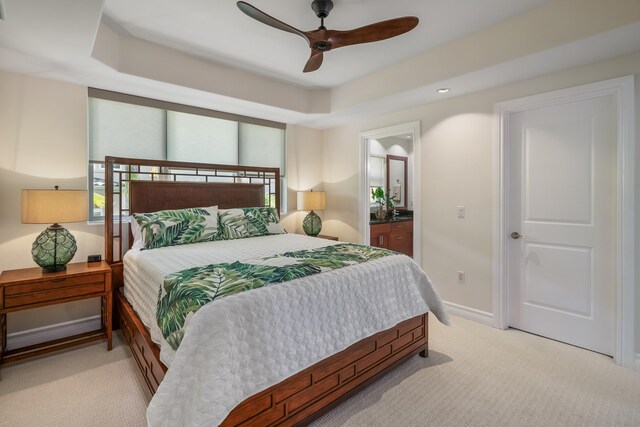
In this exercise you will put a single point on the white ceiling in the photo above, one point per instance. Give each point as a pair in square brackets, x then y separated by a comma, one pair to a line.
[218, 31]
[100, 43]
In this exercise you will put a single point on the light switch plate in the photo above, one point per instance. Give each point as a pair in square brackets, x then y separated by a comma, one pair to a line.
[461, 212]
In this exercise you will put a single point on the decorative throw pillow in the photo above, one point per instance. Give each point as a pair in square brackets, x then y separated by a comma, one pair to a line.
[178, 227]
[138, 242]
[233, 224]
[263, 221]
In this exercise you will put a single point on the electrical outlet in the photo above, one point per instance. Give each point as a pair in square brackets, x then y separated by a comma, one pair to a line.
[461, 276]
[461, 212]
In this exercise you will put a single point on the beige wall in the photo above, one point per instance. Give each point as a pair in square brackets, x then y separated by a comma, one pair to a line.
[304, 171]
[43, 142]
[456, 161]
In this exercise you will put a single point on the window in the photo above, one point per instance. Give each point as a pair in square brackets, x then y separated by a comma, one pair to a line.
[127, 126]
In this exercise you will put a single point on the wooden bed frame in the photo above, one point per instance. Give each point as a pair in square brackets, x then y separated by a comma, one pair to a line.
[134, 185]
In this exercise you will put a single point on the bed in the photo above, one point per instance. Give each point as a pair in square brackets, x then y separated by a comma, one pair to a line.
[279, 355]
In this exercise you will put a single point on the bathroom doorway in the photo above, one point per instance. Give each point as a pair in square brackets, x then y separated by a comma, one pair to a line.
[389, 166]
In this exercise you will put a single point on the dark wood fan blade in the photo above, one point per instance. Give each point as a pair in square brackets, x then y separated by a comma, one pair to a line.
[372, 33]
[260, 16]
[314, 62]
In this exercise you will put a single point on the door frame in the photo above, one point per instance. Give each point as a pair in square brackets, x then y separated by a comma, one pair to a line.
[412, 128]
[623, 90]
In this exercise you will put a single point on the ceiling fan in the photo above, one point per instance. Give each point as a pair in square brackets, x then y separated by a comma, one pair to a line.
[323, 40]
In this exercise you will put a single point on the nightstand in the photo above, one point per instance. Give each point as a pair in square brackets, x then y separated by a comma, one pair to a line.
[29, 288]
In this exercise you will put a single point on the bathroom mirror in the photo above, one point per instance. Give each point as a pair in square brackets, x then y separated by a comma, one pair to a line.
[397, 180]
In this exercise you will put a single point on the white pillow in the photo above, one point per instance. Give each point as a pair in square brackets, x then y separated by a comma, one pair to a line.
[138, 243]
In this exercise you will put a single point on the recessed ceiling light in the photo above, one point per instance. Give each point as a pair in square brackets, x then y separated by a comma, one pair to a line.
[443, 90]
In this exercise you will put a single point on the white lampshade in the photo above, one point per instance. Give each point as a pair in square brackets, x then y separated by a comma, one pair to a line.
[311, 200]
[54, 206]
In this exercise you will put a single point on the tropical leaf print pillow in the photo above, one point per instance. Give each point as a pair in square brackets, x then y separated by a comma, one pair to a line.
[248, 222]
[233, 224]
[263, 221]
[178, 227]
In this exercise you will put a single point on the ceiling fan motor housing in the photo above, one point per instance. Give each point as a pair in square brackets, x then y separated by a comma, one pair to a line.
[322, 8]
[322, 46]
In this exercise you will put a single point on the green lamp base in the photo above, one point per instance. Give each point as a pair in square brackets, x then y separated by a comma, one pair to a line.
[312, 224]
[53, 249]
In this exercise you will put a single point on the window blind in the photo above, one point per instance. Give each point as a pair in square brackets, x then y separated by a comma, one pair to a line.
[261, 146]
[192, 138]
[126, 130]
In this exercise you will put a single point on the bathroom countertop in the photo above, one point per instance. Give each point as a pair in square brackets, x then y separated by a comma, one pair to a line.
[388, 219]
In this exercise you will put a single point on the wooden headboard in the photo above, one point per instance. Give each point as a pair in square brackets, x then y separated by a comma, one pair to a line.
[137, 185]
[152, 196]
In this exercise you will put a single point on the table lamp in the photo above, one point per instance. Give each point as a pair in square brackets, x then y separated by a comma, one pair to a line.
[55, 246]
[310, 201]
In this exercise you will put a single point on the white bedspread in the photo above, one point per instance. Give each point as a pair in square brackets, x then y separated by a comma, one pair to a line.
[237, 346]
[144, 271]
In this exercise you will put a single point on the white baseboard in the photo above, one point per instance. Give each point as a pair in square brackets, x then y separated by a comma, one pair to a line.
[52, 332]
[636, 365]
[469, 313]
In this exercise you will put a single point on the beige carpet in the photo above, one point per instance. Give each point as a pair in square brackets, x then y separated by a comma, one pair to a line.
[474, 376]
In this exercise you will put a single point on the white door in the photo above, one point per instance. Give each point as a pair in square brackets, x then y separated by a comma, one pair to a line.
[562, 200]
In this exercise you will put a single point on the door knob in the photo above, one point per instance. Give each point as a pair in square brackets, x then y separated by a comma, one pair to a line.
[515, 235]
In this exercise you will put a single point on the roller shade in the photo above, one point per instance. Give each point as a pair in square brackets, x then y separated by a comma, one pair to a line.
[126, 130]
[261, 146]
[192, 138]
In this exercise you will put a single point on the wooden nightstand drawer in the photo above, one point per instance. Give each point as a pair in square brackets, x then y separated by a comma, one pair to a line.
[52, 295]
[61, 282]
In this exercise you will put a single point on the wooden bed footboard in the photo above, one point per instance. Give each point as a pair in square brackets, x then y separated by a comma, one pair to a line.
[308, 394]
